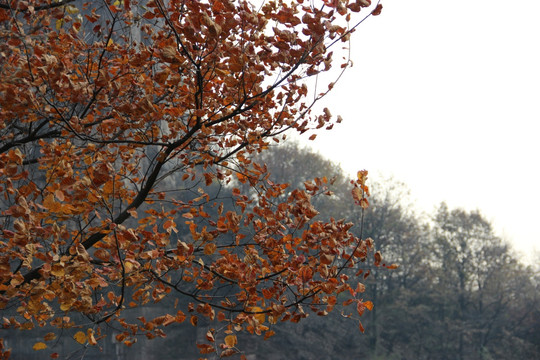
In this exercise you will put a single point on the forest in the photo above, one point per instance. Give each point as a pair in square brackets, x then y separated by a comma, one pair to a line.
[153, 206]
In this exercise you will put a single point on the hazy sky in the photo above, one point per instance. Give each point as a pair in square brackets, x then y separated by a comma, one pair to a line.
[445, 97]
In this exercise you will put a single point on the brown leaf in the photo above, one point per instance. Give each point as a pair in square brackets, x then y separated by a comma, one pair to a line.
[205, 348]
[228, 352]
[361, 327]
[377, 10]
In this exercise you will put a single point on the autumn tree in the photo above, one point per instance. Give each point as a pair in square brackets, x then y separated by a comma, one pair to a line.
[108, 108]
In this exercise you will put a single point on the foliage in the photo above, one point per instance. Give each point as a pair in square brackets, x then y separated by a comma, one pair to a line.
[292, 164]
[117, 121]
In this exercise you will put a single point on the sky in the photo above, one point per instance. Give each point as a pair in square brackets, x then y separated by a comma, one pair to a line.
[445, 97]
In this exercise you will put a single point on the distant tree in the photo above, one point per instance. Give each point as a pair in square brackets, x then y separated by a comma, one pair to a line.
[108, 109]
[475, 278]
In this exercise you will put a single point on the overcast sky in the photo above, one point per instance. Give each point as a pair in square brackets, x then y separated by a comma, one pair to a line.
[445, 97]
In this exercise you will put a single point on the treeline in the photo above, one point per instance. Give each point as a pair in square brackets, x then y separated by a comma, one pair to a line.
[460, 292]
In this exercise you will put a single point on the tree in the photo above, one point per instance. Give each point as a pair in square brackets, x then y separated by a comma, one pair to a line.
[107, 110]
[478, 283]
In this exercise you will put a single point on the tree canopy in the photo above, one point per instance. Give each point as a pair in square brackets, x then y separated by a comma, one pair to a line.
[125, 129]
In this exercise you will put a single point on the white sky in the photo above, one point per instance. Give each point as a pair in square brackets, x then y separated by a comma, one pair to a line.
[445, 97]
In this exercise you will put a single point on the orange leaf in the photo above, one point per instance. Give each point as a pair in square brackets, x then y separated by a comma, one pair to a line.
[180, 317]
[268, 334]
[260, 317]
[208, 178]
[39, 346]
[80, 337]
[268, 294]
[241, 178]
[50, 204]
[49, 336]
[170, 225]
[209, 249]
[360, 288]
[362, 176]
[306, 273]
[231, 340]
[221, 316]
[368, 305]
